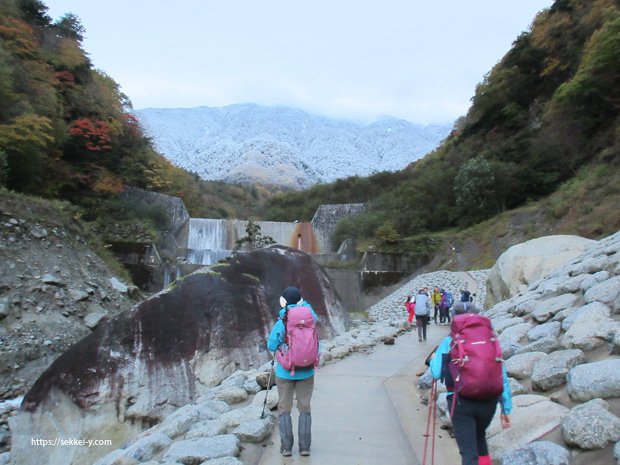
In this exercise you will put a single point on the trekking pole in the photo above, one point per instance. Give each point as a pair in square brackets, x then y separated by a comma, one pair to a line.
[434, 413]
[431, 411]
[273, 359]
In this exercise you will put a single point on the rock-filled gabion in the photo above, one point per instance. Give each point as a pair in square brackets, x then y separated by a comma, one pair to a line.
[560, 339]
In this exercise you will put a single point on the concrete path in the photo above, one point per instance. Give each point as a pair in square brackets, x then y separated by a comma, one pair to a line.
[366, 410]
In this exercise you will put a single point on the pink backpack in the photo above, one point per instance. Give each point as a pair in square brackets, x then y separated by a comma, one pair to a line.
[301, 340]
[475, 358]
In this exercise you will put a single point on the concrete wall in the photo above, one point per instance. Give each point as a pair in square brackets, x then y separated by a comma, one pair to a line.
[327, 217]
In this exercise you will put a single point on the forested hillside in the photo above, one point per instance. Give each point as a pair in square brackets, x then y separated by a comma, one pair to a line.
[66, 130]
[544, 118]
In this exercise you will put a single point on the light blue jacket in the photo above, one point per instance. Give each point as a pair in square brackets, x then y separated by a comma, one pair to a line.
[276, 339]
[435, 366]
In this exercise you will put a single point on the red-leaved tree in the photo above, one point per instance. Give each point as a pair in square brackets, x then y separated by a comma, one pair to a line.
[93, 134]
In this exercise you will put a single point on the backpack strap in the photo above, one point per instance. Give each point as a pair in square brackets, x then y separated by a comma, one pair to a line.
[284, 319]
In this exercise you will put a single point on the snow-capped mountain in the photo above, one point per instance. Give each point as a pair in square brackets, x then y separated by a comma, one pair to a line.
[284, 146]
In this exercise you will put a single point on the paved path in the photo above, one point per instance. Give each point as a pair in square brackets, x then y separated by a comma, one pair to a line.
[366, 410]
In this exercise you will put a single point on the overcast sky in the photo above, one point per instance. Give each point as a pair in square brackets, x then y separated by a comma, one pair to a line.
[414, 59]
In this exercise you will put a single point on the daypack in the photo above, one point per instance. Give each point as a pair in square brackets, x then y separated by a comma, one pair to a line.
[465, 296]
[475, 358]
[301, 341]
[449, 299]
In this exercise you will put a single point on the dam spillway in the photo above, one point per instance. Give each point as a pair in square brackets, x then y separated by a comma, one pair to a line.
[205, 241]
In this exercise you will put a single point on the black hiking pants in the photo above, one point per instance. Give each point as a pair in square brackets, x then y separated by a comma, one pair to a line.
[470, 420]
[421, 322]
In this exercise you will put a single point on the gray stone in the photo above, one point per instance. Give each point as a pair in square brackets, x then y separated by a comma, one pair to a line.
[590, 265]
[617, 452]
[516, 388]
[528, 306]
[77, 295]
[572, 284]
[532, 417]
[230, 394]
[520, 366]
[537, 453]
[251, 386]
[51, 279]
[224, 461]
[196, 451]
[514, 333]
[4, 307]
[272, 398]
[614, 346]
[118, 286]
[206, 429]
[550, 329]
[606, 292]
[561, 316]
[593, 279]
[443, 410]
[550, 372]
[425, 381]
[545, 309]
[235, 417]
[588, 334]
[254, 430]
[546, 345]
[180, 421]
[509, 349]
[594, 310]
[263, 378]
[92, 320]
[501, 324]
[147, 446]
[116, 457]
[594, 380]
[38, 232]
[591, 426]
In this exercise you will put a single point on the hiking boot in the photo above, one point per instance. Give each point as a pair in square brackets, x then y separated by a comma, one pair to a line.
[286, 453]
[304, 453]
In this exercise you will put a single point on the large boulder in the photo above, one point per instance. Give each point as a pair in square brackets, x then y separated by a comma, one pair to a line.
[167, 352]
[591, 426]
[532, 417]
[594, 380]
[525, 263]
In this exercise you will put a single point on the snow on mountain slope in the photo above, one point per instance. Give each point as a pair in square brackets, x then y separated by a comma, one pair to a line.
[283, 146]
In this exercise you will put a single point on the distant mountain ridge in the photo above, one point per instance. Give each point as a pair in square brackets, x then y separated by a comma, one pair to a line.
[284, 146]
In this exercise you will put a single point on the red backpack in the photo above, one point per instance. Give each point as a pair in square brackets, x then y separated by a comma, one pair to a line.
[475, 358]
[301, 341]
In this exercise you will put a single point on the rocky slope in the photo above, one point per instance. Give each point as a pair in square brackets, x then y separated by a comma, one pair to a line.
[284, 146]
[54, 289]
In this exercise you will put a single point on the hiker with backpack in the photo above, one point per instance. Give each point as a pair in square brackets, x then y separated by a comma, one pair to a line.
[436, 296]
[423, 308]
[410, 306]
[295, 341]
[444, 306]
[469, 363]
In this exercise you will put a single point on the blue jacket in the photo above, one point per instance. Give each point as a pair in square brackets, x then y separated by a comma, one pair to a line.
[275, 340]
[435, 366]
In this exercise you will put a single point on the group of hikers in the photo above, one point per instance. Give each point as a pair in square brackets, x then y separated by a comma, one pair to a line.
[438, 303]
[468, 362]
